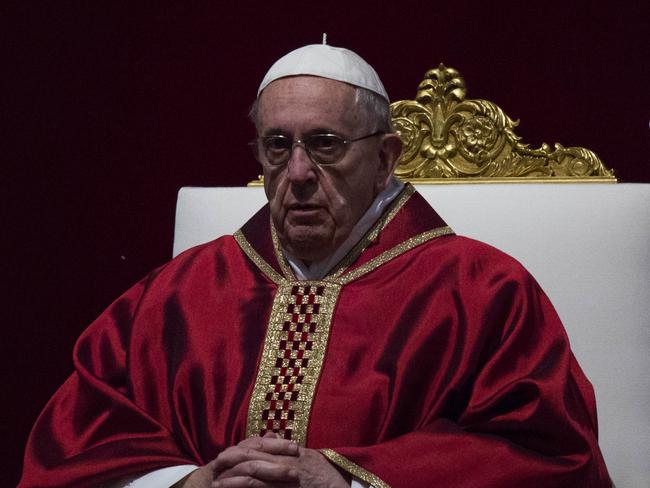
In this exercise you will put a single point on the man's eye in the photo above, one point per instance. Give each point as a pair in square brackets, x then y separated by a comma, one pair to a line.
[325, 143]
[277, 144]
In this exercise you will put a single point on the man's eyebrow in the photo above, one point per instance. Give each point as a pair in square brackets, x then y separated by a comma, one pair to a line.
[322, 130]
[275, 132]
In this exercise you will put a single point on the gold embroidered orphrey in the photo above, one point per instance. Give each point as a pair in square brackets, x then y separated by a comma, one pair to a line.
[292, 359]
[450, 139]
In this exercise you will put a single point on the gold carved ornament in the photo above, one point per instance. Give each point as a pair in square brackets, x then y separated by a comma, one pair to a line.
[448, 139]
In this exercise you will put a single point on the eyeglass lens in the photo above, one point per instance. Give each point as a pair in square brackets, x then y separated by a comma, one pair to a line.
[321, 148]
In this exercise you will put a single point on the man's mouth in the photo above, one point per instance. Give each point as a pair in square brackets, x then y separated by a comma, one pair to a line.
[304, 211]
[303, 206]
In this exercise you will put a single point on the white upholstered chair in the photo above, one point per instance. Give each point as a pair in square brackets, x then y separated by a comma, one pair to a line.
[588, 245]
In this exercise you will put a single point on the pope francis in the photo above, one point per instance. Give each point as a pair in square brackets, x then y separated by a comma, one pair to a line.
[344, 336]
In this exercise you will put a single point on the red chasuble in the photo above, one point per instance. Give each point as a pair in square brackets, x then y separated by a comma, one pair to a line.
[423, 359]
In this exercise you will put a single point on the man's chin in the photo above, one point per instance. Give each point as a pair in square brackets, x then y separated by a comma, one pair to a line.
[309, 246]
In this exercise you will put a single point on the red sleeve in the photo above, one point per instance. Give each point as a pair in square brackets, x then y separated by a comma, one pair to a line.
[90, 432]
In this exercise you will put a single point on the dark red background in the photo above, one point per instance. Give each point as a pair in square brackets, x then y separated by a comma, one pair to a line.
[109, 109]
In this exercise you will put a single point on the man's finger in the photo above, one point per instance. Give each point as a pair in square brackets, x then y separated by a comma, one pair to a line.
[261, 470]
[240, 482]
[271, 444]
[245, 482]
[242, 453]
[237, 454]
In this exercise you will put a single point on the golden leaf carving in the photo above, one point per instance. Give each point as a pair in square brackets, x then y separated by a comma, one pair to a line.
[448, 137]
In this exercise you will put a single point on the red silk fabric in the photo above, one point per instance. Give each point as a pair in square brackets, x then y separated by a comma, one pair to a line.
[446, 366]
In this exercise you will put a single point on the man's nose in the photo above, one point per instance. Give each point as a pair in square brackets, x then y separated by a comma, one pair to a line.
[300, 168]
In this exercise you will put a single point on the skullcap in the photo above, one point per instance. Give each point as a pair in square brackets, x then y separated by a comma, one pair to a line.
[335, 63]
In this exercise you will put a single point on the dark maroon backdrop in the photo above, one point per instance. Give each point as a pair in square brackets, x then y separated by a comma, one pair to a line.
[112, 108]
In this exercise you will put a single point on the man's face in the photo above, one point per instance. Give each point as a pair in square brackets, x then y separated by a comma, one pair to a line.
[314, 208]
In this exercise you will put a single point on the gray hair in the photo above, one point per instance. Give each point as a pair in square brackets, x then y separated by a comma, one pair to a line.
[375, 107]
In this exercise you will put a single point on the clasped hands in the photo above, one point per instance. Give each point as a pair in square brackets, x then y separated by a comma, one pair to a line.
[267, 462]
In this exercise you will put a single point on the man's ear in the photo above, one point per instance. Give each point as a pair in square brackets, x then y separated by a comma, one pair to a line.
[389, 153]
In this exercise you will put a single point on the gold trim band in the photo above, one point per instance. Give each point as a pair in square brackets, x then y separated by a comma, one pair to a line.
[354, 469]
[392, 253]
[279, 255]
[256, 258]
[395, 206]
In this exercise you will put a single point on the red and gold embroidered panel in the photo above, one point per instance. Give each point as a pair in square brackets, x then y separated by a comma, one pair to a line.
[292, 359]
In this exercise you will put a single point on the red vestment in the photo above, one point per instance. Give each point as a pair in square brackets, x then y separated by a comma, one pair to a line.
[426, 359]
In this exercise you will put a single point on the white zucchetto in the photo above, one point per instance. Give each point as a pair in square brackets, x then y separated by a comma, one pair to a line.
[335, 63]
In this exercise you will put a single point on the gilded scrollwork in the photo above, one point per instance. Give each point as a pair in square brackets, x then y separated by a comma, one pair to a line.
[448, 137]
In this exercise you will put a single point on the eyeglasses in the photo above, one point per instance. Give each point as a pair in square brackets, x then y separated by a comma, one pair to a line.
[321, 148]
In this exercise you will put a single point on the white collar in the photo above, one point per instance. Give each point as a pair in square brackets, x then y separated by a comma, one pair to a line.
[319, 269]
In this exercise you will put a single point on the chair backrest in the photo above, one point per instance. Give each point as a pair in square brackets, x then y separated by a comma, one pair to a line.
[587, 244]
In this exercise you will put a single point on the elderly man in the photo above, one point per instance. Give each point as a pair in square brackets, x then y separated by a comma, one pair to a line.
[344, 335]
